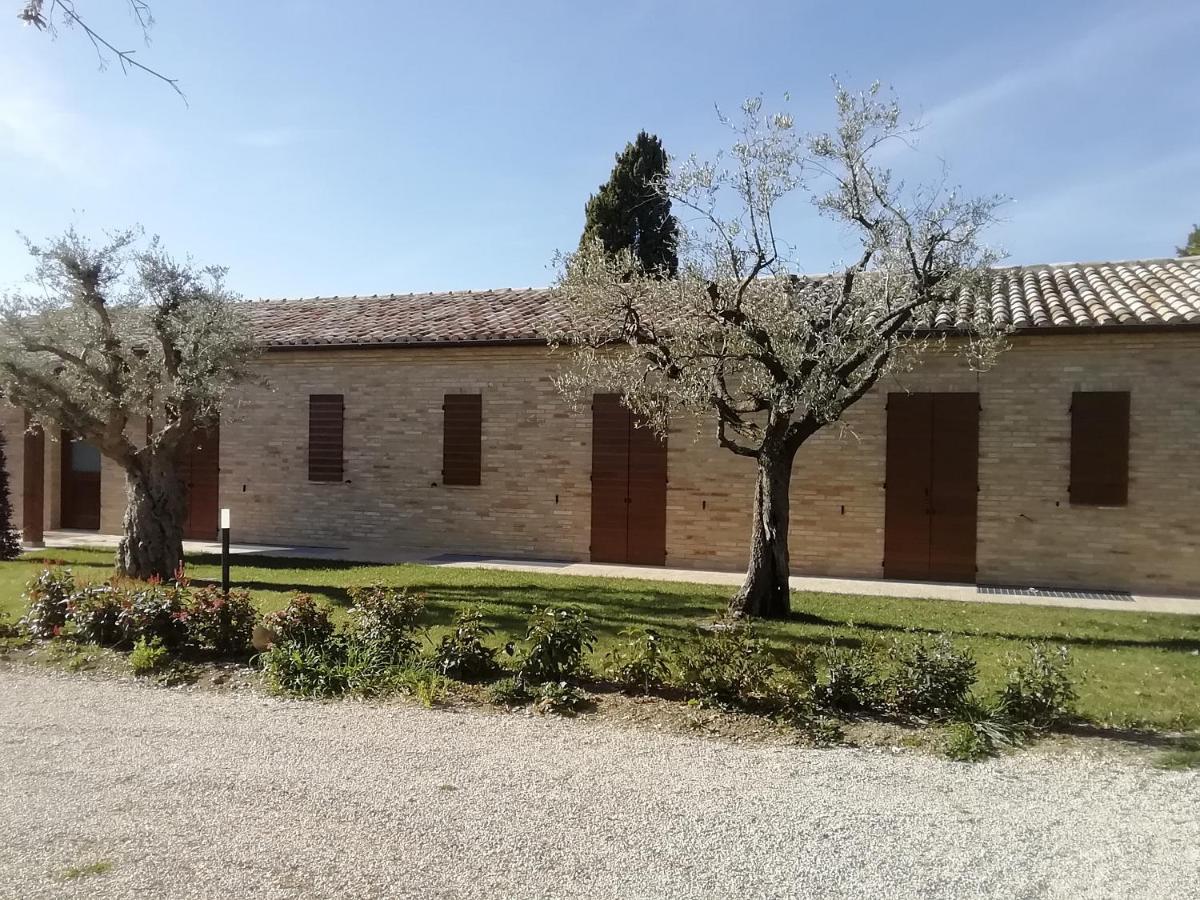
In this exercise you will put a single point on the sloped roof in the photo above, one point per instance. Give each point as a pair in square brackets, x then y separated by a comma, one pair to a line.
[1155, 292]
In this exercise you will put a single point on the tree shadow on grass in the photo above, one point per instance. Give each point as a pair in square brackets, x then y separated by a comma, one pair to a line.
[1174, 645]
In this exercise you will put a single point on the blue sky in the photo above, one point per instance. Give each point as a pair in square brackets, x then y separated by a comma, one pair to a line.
[395, 147]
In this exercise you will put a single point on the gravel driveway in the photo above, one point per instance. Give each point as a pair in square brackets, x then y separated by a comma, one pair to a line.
[190, 794]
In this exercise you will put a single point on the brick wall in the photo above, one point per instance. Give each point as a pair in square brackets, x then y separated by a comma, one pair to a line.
[534, 496]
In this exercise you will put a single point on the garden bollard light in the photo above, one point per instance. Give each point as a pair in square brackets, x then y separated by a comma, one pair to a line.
[225, 552]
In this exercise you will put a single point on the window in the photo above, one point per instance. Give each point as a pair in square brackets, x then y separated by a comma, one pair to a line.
[325, 417]
[462, 439]
[1099, 448]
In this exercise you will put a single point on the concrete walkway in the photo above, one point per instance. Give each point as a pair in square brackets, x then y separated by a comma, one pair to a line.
[870, 587]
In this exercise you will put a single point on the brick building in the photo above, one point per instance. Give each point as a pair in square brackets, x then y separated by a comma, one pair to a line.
[431, 422]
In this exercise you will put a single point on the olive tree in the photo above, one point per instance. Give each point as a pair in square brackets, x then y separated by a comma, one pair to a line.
[740, 337]
[118, 342]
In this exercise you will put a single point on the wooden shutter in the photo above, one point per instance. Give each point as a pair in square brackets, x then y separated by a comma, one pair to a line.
[462, 439]
[325, 423]
[1099, 448]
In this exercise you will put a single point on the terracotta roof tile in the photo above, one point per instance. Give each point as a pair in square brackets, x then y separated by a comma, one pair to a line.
[1140, 292]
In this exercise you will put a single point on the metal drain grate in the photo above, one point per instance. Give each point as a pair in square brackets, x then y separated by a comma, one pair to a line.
[1012, 590]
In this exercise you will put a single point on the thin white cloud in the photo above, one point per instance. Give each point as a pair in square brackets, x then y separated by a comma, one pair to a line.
[1132, 33]
[50, 138]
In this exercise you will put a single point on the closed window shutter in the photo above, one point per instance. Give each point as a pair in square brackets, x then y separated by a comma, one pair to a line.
[1099, 448]
[462, 438]
[325, 423]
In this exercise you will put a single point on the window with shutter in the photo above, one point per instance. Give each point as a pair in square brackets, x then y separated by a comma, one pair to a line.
[325, 423]
[462, 439]
[1099, 448]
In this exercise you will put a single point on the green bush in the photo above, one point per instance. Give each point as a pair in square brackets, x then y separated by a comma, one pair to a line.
[929, 678]
[508, 692]
[962, 742]
[95, 611]
[1038, 693]
[463, 654]
[730, 666]
[639, 663]
[302, 621]
[790, 694]
[851, 682]
[217, 622]
[46, 599]
[385, 618]
[154, 611]
[554, 645]
[147, 657]
[306, 669]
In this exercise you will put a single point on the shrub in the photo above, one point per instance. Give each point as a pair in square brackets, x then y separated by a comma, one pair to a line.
[95, 611]
[7, 628]
[463, 654]
[220, 623]
[851, 682]
[507, 692]
[639, 662]
[730, 666]
[790, 692]
[386, 618]
[559, 697]
[304, 669]
[154, 611]
[554, 645]
[302, 621]
[929, 679]
[1039, 693]
[46, 598]
[147, 657]
[963, 743]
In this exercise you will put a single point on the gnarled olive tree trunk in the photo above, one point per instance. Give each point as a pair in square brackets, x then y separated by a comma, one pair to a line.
[153, 534]
[766, 593]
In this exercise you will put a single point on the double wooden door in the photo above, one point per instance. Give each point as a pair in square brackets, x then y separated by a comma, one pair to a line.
[932, 486]
[629, 487]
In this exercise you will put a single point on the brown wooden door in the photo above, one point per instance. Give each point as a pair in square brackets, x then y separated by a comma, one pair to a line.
[932, 486]
[629, 487]
[80, 484]
[200, 469]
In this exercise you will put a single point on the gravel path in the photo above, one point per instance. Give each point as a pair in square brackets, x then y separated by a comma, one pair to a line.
[192, 794]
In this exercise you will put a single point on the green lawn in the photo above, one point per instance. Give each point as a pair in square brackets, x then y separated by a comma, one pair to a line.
[1136, 668]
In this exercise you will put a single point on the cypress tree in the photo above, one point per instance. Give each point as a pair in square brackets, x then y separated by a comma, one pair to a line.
[10, 541]
[628, 212]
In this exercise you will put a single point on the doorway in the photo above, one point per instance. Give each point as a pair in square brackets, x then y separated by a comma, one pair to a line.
[932, 486]
[201, 474]
[80, 491]
[629, 487]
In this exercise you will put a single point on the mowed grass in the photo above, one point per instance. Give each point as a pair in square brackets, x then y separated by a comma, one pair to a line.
[1135, 669]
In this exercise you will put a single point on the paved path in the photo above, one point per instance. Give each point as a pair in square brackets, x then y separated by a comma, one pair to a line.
[870, 587]
[188, 794]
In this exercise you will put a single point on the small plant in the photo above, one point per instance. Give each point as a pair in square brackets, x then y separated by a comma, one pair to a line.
[851, 682]
[8, 630]
[220, 623]
[46, 598]
[639, 662]
[463, 654]
[99, 867]
[554, 645]
[154, 612]
[95, 611]
[790, 692]
[730, 666]
[302, 621]
[508, 692]
[558, 697]
[1039, 693]
[147, 657]
[385, 617]
[962, 742]
[304, 670]
[929, 679]
[428, 687]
